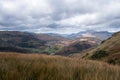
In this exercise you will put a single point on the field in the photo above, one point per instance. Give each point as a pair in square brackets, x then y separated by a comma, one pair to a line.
[14, 66]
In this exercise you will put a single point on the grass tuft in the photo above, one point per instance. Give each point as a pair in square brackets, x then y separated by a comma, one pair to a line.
[42, 67]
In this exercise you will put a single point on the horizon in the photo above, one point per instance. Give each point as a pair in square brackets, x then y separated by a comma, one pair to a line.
[58, 33]
[58, 16]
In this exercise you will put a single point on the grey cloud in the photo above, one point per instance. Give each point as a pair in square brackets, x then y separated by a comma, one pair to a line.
[68, 16]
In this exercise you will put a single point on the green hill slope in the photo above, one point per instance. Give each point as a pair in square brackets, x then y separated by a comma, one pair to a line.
[74, 48]
[16, 41]
[109, 50]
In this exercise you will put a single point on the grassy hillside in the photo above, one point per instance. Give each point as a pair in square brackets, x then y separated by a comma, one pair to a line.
[75, 47]
[15, 41]
[41, 67]
[108, 51]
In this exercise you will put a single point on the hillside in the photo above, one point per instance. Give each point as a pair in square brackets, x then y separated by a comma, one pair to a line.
[108, 50]
[15, 66]
[12, 40]
[75, 47]
[15, 41]
[50, 37]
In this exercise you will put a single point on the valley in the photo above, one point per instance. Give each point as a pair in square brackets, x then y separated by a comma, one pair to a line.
[31, 56]
[15, 41]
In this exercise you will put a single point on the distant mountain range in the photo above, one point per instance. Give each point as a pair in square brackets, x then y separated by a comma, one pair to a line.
[90, 33]
[15, 41]
[101, 35]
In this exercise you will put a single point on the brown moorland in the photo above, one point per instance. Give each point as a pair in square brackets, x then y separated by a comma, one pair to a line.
[14, 66]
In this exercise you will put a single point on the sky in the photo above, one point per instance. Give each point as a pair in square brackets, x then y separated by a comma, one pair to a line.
[60, 16]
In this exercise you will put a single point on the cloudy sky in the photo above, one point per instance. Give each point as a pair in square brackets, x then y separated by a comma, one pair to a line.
[60, 16]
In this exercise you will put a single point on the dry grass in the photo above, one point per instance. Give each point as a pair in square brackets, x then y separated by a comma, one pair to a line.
[42, 67]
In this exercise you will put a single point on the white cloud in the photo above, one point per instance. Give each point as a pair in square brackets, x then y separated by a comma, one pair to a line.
[69, 16]
[80, 20]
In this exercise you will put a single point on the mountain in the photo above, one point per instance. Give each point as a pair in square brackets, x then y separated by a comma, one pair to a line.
[50, 43]
[75, 47]
[19, 41]
[108, 50]
[75, 35]
[103, 35]
[90, 33]
[51, 37]
[15, 41]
